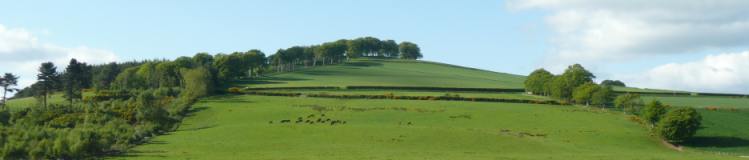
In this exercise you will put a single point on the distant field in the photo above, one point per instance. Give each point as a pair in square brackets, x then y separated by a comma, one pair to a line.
[31, 101]
[236, 127]
[702, 101]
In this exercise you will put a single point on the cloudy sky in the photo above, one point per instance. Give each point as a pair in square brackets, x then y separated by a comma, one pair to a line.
[694, 45]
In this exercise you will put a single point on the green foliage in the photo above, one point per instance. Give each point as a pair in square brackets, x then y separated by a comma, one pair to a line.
[129, 79]
[48, 79]
[74, 80]
[583, 93]
[630, 103]
[7, 81]
[603, 96]
[653, 111]
[679, 124]
[613, 83]
[198, 82]
[105, 76]
[538, 82]
[409, 50]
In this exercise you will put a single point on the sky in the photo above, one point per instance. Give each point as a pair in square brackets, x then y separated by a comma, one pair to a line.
[693, 45]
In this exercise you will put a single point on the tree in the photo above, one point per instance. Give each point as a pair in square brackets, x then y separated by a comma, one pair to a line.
[128, 79]
[583, 93]
[6, 82]
[653, 112]
[74, 78]
[48, 79]
[574, 76]
[168, 74]
[105, 75]
[147, 72]
[388, 48]
[409, 50]
[613, 83]
[679, 124]
[198, 82]
[228, 67]
[628, 102]
[537, 82]
[202, 58]
[602, 96]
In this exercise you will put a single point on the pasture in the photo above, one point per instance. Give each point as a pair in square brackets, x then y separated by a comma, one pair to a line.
[236, 127]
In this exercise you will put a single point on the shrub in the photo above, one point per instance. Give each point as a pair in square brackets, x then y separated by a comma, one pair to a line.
[679, 124]
[711, 108]
[653, 112]
[234, 90]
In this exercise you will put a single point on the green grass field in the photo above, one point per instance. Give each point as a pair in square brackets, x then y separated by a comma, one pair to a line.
[237, 127]
[31, 101]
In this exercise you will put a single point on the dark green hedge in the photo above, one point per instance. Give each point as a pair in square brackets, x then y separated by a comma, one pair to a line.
[436, 98]
[416, 88]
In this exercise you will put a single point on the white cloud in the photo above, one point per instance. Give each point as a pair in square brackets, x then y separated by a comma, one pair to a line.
[21, 53]
[596, 31]
[727, 72]
[600, 33]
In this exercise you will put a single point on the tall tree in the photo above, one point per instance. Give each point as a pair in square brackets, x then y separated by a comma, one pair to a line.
[537, 82]
[105, 75]
[583, 94]
[7, 81]
[74, 78]
[603, 96]
[409, 50]
[628, 102]
[574, 76]
[47, 78]
[203, 59]
[389, 48]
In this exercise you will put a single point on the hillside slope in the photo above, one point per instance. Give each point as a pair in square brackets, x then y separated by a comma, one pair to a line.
[378, 72]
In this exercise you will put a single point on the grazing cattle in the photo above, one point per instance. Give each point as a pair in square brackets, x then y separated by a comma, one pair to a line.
[323, 115]
[311, 115]
[344, 122]
[270, 122]
[285, 121]
[319, 120]
[409, 123]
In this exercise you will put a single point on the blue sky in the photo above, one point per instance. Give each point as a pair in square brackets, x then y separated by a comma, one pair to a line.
[506, 36]
[447, 32]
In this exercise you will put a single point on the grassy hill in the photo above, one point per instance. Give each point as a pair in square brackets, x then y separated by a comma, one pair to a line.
[236, 126]
[377, 72]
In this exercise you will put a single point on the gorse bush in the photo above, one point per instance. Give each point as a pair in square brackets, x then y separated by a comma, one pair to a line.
[84, 131]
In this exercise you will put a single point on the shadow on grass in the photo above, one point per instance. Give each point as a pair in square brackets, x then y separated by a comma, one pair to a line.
[717, 142]
[194, 109]
[319, 72]
[141, 153]
[363, 64]
[227, 99]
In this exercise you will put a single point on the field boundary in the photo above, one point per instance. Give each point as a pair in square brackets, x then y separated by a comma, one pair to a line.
[394, 97]
[480, 90]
